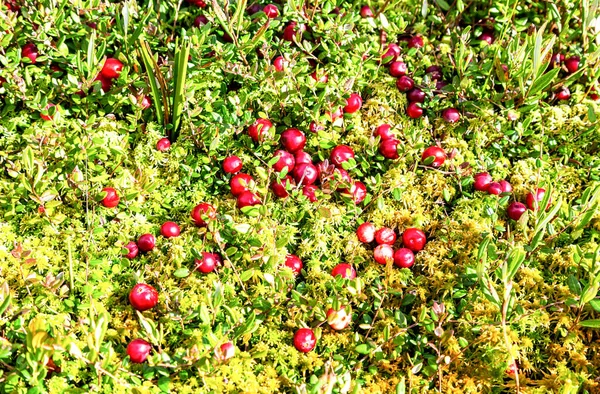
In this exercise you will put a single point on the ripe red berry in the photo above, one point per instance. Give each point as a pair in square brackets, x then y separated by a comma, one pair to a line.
[563, 93]
[305, 174]
[353, 103]
[112, 68]
[163, 144]
[30, 51]
[383, 253]
[279, 187]
[202, 213]
[482, 181]
[305, 340]
[415, 42]
[434, 72]
[47, 117]
[572, 64]
[112, 198]
[286, 160]
[404, 258]
[315, 128]
[345, 270]
[143, 297]
[170, 229]
[515, 210]
[398, 69]
[293, 140]
[225, 352]
[494, 188]
[294, 263]
[557, 59]
[385, 235]
[138, 350]
[414, 110]
[271, 11]
[340, 319]
[292, 30]
[247, 199]
[200, 20]
[366, 232]
[451, 115]
[533, 200]
[232, 164]
[366, 12]
[240, 183]
[208, 263]
[391, 53]
[384, 132]
[280, 63]
[404, 83]
[437, 153]
[341, 154]
[301, 157]
[259, 129]
[146, 242]
[132, 250]
[487, 36]
[338, 113]
[321, 77]
[505, 186]
[309, 192]
[358, 191]
[389, 148]
[416, 95]
[414, 239]
[105, 83]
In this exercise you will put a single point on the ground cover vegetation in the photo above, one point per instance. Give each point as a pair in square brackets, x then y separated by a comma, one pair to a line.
[328, 196]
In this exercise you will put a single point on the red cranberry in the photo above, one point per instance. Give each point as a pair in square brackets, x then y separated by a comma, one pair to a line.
[366, 12]
[414, 239]
[451, 115]
[315, 128]
[341, 154]
[293, 140]
[309, 192]
[112, 68]
[385, 235]
[494, 188]
[353, 103]
[391, 53]
[572, 64]
[384, 132]
[293, 29]
[338, 113]
[305, 340]
[340, 319]
[389, 149]
[202, 213]
[321, 77]
[247, 199]
[200, 20]
[435, 72]
[563, 93]
[345, 270]
[557, 59]
[30, 51]
[240, 183]
[398, 69]
[132, 250]
[143, 297]
[280, 63]
[145, 102]
[358, 191]
[146, 242]
[271, 11]
[415, 42]
[416, 95]
[208, 263]
[138, 351]
[404, 258]
[279, 187]
[305, 174]
[534, 200]
[163, 144]
[302, 157]
[439, 85]
[112, 198]
[170, 229]
[404, 83]
[482, 181]
[414, 110]
[505, 186]
[294, 263]
[232, 164]
[366, 232]
[487, 36]
[438, 154]
[259, 129]
[48, 116]
[105, 83]
[383, 253]
[515, 210]
[286, 160]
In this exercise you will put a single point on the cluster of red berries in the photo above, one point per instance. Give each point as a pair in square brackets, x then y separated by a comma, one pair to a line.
[413, 240]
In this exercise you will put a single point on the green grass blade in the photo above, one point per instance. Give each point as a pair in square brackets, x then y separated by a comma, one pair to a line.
[180, 75]
[154, 88]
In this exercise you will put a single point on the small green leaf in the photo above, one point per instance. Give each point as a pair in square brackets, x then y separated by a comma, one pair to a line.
[181, 272]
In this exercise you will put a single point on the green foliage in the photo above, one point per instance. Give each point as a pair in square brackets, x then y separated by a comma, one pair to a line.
[486, 291]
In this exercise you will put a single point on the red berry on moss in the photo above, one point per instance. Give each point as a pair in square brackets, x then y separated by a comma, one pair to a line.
[383, 253]
[305, 340]
[279, 187]
[515, 210]
[389, 148]
[259, 129]
[404, 83]
[240, 183]
[293, 140]
[341, 154]
[143, 297]
[170, 230]
[366, 232]
[112, 68]
[451, 115]
[138, 350]
[232, 164]
[482, 181]
[294, 263]
[398, 69]
[438, 154]
[112, 198]
[163, 144]
[353, 103]
[271, 11]
[385, 235]
[208, 263]
[132, 250]
[146, 242]
[247, 199]
[572, 64]
[404, 258]
[415, 42]
[366, 12]
[415, 95]
[202, 213]
[533, 200]
[345, 270]
[384, 132]
[414, 110]
[305, 174]
[414, 239]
